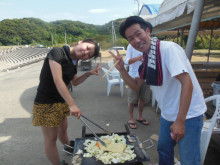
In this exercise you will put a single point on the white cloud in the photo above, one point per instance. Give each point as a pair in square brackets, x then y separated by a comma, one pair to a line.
[98, 10]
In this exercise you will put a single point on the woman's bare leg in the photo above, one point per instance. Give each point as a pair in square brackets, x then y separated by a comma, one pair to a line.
[50, 138]
[62, 132]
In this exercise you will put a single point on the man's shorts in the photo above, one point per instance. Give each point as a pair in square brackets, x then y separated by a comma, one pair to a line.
[49, 115]
[143, 93]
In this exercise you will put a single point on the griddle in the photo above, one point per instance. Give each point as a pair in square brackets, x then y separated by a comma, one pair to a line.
[141, 155]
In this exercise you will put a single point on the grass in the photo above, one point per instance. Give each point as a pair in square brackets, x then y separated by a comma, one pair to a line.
[203, 51]
[106, 56]
[198, 55]
[201, 55]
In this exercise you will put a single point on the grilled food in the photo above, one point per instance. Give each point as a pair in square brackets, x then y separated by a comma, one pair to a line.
[116, 151]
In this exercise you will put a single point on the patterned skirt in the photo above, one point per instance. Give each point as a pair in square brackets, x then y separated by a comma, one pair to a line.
[49, 115]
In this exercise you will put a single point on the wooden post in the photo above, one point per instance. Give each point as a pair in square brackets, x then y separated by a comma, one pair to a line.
[210, 45]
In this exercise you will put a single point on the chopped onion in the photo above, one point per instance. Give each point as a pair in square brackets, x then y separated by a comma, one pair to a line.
[109, 157]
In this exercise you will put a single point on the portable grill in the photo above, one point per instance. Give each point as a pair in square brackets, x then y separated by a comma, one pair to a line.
[141, 155]
[86, 65]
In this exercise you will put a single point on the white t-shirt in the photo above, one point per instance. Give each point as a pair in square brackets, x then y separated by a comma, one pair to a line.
[174, 62]
[131, 53]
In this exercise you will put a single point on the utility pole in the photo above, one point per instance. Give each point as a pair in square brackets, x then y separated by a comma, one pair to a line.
[113, 34]
[52, 39]
[138, 2]
[65, 38]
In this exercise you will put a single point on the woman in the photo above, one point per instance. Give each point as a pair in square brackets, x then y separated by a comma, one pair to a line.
[53, 102]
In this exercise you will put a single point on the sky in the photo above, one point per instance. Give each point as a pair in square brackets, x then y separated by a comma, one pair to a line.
[97, 12]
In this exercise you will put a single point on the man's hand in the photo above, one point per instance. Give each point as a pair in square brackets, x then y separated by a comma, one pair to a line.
[74, 111]
[120, 65]
[178, 127]
[177, 130]
[139, 58]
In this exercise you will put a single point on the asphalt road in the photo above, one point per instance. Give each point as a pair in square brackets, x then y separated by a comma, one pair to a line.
[22, 144]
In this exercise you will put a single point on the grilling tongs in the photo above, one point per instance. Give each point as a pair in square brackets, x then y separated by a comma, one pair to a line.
[106, 131]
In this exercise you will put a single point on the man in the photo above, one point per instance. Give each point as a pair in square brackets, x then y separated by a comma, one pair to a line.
[167, 69]
[134, 59]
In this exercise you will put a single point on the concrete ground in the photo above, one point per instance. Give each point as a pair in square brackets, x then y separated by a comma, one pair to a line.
[22, 144]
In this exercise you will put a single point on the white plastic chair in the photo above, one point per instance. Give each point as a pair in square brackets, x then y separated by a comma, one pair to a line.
[208, 127]
[114, 78]
[154, 102]
[110, 64]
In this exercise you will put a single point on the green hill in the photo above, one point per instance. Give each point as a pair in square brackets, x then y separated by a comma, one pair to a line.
[32, 31]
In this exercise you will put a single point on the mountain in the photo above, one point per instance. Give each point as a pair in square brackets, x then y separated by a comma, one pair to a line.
[32, 31]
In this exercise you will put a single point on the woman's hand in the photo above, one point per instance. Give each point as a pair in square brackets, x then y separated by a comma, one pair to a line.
[74, 111]
[95, 71]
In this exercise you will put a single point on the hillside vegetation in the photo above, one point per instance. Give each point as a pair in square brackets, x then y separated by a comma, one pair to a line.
[33, 31]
